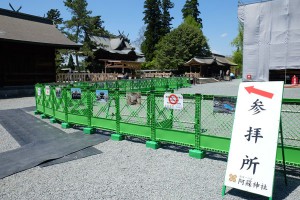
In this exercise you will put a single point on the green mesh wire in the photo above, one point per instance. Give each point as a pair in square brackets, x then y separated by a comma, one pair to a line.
[181, 120]
[39, 95]
[290, 116]
[77, 106]
[212, 123]
[133, 111]
[102, 109]
[59, 104]
[48, 98]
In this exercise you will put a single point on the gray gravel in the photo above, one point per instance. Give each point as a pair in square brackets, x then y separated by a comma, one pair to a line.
[129, 170]
[230, 88]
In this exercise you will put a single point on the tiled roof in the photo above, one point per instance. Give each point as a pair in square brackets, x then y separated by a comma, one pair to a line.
[24, 28]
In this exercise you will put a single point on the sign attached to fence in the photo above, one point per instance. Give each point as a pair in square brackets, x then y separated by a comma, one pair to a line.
[252, 155]
[76, 93]
[102, 96]
[58, 92]
[47, 90]
[173, 101]
[39, 91]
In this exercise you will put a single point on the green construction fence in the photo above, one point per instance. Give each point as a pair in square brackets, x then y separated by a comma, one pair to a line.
[196, 126]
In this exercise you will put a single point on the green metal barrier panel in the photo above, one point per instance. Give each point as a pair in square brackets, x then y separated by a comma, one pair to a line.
[39, 98]
[77, 102]
[59, 103]
[134, 120]
[136, 108]
[103, 109]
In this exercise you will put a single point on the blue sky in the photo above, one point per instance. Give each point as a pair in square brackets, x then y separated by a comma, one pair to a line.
[220, 23]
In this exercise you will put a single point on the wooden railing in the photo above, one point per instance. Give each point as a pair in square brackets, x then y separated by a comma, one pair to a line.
[156, 75]
[95, 77]
[192, 75]
[68, 77]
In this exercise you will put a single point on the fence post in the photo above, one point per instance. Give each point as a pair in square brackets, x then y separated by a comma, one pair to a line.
[197, 152]
[66, 104]
[149, 109]
[36, 98]
[89, 129]
[52, 97]
[43, 97]
[152, 143]
[117, 136]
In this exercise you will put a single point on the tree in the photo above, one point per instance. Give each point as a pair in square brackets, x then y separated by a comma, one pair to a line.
[238, 53]
[81, 27]
[71, 63]
[153, 23]
[166, 17]
[190, 8]
[180, 45]
[54, 15]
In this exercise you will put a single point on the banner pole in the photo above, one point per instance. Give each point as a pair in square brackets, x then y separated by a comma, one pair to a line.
[282, 151]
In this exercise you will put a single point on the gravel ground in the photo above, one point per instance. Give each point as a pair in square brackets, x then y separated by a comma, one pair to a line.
[230, 88]
[129, 170]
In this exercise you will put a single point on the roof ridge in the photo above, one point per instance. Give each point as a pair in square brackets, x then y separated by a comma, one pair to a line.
[25, 16]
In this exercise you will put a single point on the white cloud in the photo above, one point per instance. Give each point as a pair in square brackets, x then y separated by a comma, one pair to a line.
[224, 35]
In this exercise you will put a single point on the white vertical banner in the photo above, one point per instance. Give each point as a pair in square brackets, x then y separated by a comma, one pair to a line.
[252, 154]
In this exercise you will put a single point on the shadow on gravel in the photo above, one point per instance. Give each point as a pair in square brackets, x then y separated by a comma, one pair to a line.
[175, 147]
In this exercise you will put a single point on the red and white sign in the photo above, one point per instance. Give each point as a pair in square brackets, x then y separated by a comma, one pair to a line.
[47, 90]
[173, 101]
[252, 154]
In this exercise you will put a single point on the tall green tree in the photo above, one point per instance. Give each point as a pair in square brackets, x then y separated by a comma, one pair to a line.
[190, 8]
[152, 19]
[81, 26]
[54, 15]
[237, 56]
[71, 63]
[166, 18]
[180, 45]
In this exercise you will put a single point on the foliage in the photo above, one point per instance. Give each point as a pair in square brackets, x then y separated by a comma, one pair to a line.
[166, 17]
[81, 27]
[238, 43]
[180, 45]
[190, 8]
[152, 34]
[54, 15]
[150, 65]
[71, 63]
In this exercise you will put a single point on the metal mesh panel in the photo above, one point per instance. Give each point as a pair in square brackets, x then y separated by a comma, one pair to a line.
[39, 95]
[131, 112]
[218, 124]
[290, 116]
[59, 103]
[48, 99]
[77, 106]
[106, 110]
[182, 120]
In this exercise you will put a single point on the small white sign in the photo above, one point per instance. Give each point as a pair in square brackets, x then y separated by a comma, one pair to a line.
[47, 90]
[252, 155]
[173, 101]
[39, 91]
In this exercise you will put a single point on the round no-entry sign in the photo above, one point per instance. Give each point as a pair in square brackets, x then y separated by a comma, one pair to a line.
[173, 99]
